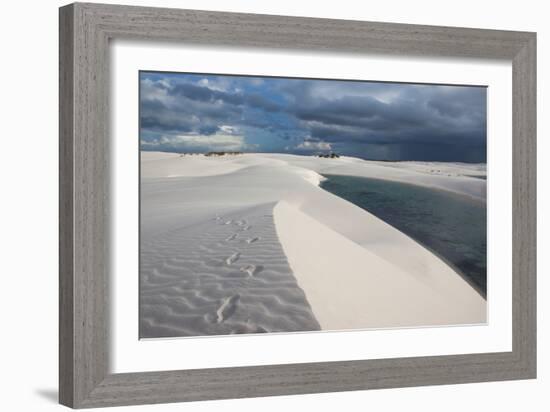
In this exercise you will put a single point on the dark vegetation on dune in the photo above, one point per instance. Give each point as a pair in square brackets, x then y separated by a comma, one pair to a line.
[329, 155]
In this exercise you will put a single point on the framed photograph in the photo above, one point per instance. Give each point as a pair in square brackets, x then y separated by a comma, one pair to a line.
[256, 205]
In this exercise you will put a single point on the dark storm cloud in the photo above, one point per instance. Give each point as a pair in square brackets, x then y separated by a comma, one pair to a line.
[380, 120]
[205, 94]
[257, 101]
[365, 114]
[426, 122]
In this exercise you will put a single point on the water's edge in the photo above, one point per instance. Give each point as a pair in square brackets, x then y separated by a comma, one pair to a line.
[451, 226]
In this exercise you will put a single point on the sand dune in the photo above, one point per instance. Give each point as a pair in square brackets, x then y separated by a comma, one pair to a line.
[461, 178]
[369, 289]
[216, 278]
[251, 243]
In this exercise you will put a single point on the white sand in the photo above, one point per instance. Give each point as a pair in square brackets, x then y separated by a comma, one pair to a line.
[355, 270]
[462, 178]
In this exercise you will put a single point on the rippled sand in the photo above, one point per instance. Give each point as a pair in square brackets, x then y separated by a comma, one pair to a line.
[225, 275]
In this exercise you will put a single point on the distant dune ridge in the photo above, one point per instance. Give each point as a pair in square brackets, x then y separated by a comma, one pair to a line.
[251, 243]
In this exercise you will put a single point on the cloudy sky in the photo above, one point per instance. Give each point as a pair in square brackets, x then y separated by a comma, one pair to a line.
[372, 120]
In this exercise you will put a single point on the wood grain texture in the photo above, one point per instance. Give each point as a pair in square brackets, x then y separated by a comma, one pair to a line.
[84, 91]
[85, 31]
[66, 229]
[524, 124]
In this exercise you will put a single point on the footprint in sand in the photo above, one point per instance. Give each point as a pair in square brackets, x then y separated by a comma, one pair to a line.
[252, 270]
[233, 258]
[231, 237]
[252, 240]
[227, 308]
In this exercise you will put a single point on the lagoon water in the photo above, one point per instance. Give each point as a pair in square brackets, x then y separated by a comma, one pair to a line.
[452, 226]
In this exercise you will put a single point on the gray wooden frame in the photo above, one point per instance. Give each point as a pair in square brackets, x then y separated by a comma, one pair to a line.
[85, 31]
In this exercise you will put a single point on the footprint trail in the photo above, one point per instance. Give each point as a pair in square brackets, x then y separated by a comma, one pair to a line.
[206, 280]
